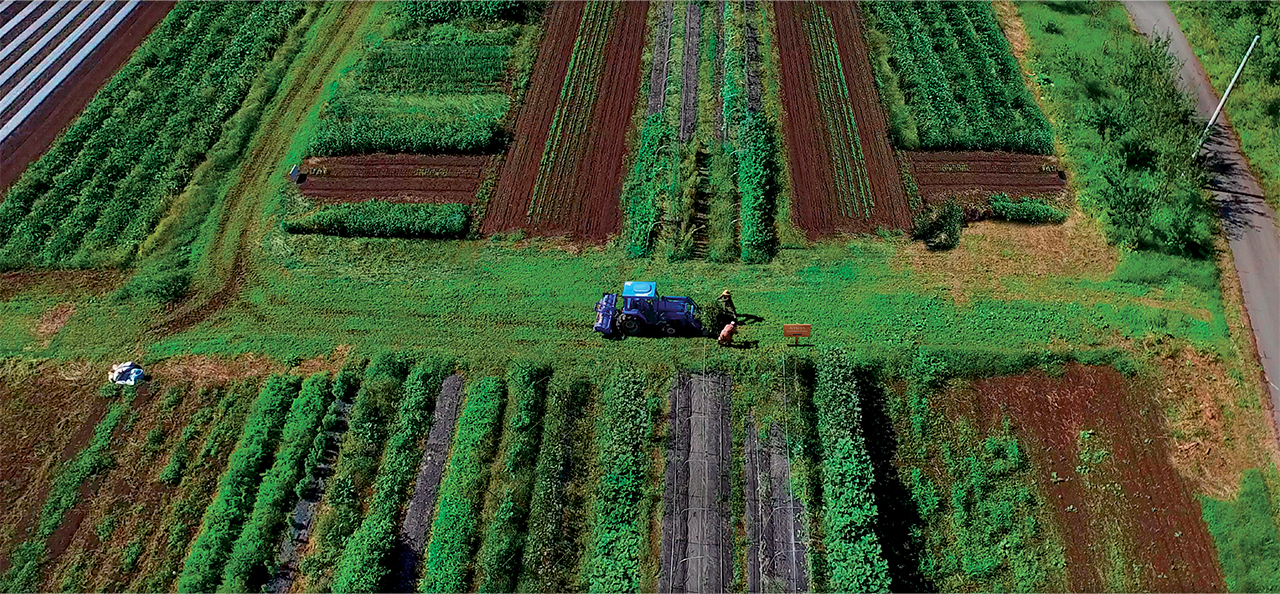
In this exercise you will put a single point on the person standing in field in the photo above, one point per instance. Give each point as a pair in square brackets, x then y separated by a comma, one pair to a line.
[726, 335]
[726, 302]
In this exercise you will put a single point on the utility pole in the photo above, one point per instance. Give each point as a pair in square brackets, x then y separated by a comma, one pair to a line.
[1223, 101]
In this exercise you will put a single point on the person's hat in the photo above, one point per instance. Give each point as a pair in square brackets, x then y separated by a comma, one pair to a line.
[726, 292]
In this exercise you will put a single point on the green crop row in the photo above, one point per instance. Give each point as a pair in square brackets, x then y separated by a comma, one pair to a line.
[26, 558]
[236, 491]
[422, 12]
[651, 179]
[851, 180]
[253, 552]
[179, 459]
[613, 555]
[344, 389]
[106, 184]
[354, 472]
[568, 134]
[1026, 210]
[364, 563]
[555, 515]
[501, 553]
[755, 184]
[849, 510]
[369, 123]
[402, 68]
[455, 527]
[950, 80]
[385, 219]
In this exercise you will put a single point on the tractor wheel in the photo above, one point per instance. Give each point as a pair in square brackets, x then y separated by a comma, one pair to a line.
[669, 330]
[629, 324]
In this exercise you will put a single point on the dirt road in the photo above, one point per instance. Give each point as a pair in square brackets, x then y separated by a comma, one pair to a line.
[696, 549]
[1249, 222]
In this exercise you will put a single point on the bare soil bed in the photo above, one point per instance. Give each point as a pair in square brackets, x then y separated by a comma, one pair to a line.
[811, 164]
[394, 178]
[942, 174]
[658, 66]
[587, 178]
[1133, 499]
[38, 131]
[776, 547]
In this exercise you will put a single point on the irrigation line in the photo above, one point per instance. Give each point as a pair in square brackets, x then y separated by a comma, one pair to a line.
[17, 19]
[50, 59]
[71, 65]
[12, 46]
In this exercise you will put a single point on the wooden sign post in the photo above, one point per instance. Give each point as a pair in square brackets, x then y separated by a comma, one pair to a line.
[796, 330]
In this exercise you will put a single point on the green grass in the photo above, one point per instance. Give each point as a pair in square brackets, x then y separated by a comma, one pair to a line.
[1220, 33]
[1246, 534]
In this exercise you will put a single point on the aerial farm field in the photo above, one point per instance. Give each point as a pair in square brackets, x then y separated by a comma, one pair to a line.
[356, 249]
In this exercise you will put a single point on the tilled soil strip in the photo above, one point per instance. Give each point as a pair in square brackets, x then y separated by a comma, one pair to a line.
[775, 519]
[753, 60]
[696, 550]
[417, 519]
[689, 74]
[658, 70]
[304, 513]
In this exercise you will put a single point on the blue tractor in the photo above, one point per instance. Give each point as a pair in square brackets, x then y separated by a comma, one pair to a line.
[639, 309]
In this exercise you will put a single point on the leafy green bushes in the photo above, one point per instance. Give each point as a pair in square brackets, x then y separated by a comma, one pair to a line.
[26, 558]
[462, 491]
[252, 554]
[105, 184]
[397, 67]
[950, 81]
[849, 509]
[1129, 132]
[435, 11]
[500, 555]
[755, 183]
[232, 504]
[551, 548]
[344, 389]
[363, 565]
[651, 178]
[353, 474]
[614, 551]
[1026, 210]
[384, 219]
[366, 123]
[1245, 533]
[939, 226]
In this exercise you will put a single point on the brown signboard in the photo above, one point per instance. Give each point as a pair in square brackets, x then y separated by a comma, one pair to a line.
[795, 330]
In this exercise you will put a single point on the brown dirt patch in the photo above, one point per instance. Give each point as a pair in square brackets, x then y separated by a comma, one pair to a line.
[53, 320]
[34, 136]
[1133, 502]
[64, 283]
[432, 179]
[583, 182]
[203, 370]
[977, 175]
[811, 142]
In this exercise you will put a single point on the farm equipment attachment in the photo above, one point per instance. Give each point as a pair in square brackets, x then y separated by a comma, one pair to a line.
[639, 309]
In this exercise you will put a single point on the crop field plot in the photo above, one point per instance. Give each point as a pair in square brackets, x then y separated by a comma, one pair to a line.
[563, 174]
[845, 175]
[380, 374]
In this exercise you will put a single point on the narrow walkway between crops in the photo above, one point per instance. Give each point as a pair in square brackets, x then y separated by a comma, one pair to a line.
[1249, 222]
[689, 71]
[696, 548]
[417, 519]
[658, 68]
[775, 518]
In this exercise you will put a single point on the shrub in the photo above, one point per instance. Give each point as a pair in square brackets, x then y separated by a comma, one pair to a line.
[1026, 210]
[462, 492]
[849, 508]
[939, 226]
[384, 219]
[253, 553]
[233, 502]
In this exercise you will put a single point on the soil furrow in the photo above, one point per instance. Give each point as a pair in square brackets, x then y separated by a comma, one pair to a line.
[754, 89]
[689, 71]
[661, 53]
[417, 518]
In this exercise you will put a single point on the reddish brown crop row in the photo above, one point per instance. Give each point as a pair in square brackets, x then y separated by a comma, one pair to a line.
[940, 175]
[394, 178]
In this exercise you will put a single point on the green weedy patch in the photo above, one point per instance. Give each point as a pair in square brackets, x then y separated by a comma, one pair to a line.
[384, 219]
[1246, 535]
[449, 554]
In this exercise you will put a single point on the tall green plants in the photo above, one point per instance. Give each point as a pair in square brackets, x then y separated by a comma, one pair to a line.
[755, 184]
[449, 554]
[385, 219]
[849, 510]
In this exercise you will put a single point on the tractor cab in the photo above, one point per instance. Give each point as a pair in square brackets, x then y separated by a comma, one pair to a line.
[639, 308]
